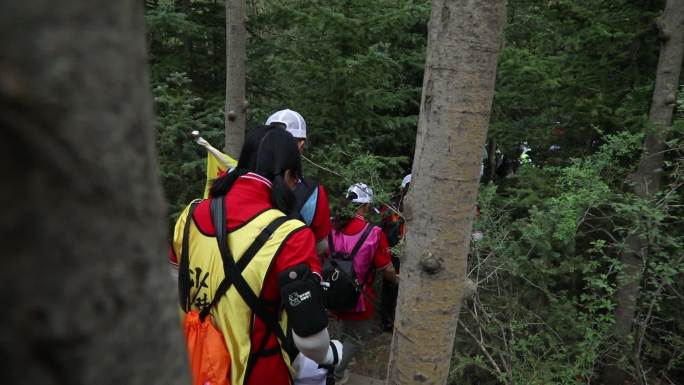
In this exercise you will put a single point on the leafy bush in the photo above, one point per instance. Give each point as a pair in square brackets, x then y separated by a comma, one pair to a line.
[548, 268]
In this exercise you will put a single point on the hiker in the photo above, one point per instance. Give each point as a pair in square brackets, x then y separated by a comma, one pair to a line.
[392, 225]
[312, 199]
[354, 239]
[242, 298]
[524, 157]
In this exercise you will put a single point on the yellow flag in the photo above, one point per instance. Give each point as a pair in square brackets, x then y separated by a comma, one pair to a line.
[216, 167]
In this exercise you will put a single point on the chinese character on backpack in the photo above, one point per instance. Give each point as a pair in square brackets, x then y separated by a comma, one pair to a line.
[207, 351]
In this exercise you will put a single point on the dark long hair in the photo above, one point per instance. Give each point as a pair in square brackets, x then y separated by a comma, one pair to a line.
[278, 153]
[246, 162]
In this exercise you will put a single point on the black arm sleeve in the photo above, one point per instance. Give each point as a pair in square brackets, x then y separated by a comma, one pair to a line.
[300, 292]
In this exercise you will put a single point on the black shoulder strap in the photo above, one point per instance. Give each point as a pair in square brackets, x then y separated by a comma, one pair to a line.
[184, 266]
[218, 215]
[303, 191]
[247, 257]
[331, 245]
[358, 244]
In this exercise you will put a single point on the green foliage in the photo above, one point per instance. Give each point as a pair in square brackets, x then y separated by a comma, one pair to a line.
[360, 61]
[575, 74]
[352, 165]
[182, 162]
[189, 40]
[547, 275]
[187, 56]
[570, 68]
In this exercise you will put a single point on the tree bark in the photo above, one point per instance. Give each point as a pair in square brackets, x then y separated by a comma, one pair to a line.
[87, 296]
[464, 41]
[236, 105]
[647, 177]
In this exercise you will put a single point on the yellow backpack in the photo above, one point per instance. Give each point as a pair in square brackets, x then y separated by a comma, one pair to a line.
[207, 351]
[210, 359]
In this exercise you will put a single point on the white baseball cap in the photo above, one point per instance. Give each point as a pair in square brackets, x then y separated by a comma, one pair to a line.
[293, 121]
[364, 194]
[406, 181]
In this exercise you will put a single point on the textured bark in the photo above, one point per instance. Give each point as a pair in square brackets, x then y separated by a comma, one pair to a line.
[236, 105]
[464, 40]
[647, 178]
[87, 297]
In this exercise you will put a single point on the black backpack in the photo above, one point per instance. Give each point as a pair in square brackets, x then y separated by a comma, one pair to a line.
[343, 287]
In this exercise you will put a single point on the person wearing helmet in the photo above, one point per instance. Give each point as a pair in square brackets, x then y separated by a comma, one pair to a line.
[367, 245]
[312, 199]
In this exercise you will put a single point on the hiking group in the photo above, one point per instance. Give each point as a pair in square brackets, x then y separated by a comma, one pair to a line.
[262, 268]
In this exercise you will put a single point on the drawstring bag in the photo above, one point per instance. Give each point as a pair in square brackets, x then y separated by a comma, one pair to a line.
[209, 358]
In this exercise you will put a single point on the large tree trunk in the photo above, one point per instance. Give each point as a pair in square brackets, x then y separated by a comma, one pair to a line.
[647, 177]
[464, 41]
[236, 105]
[87, 297]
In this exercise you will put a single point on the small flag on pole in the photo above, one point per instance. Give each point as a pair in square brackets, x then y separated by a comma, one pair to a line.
[218, 163]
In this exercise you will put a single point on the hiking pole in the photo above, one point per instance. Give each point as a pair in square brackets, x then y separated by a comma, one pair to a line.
[203, 142]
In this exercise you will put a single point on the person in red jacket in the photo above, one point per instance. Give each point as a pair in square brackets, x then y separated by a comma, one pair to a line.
[372, 255]
[312, 199]
[247, 194]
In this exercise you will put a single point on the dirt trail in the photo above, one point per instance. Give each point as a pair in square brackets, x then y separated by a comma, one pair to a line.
[372, 360]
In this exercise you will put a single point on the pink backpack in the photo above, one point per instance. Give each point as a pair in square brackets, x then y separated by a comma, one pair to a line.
[346, 269]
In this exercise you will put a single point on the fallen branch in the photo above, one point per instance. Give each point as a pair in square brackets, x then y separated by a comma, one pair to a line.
[483, 349]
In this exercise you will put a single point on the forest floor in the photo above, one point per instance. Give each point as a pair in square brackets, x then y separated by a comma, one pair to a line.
[369, 366]
[372, 360]
[356, 379]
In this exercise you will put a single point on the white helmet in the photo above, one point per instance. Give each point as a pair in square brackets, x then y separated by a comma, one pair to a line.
[293, 121]
[364, 194]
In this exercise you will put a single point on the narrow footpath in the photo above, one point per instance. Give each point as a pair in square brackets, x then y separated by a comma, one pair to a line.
[369, 367]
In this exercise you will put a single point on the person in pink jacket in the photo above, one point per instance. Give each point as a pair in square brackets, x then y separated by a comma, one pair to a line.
[373, 256]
